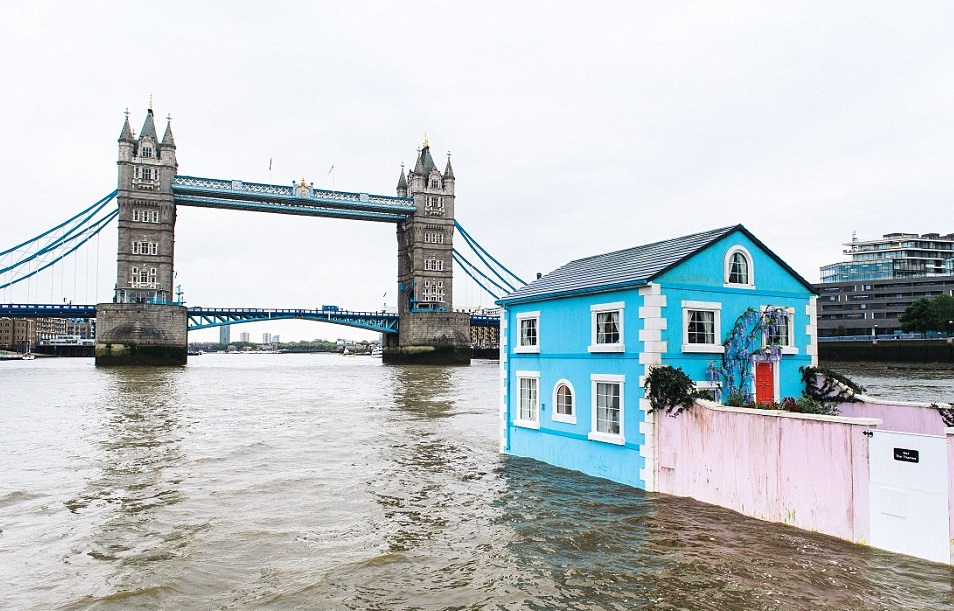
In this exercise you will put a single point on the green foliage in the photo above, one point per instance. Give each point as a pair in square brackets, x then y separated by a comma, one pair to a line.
[923, 315]
[917, 317]
[669, 388]
[834, 388]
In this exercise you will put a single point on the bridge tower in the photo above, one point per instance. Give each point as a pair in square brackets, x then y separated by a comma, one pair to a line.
[429, 330]
[142, 325]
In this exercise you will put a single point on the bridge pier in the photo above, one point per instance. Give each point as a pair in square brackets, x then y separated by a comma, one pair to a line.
[429, 338]
[141, 334]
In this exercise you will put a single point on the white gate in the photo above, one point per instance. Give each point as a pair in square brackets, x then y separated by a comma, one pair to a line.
[909, 494]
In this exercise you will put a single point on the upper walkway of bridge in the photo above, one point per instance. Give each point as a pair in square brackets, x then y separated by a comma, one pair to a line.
[299, 199]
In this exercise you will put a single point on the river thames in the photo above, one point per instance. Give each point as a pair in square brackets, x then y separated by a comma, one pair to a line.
[328, 482]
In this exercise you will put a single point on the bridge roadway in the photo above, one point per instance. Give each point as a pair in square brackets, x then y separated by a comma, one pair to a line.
[204, 318]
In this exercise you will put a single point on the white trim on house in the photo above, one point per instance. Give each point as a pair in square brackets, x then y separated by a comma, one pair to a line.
[521, 348]
[702, 306]
[709, 385]
[566, 418]
[534, 421]
[618, 306]
[811, 329]
[727, 268]
[594, 435]
[651, 334]
[504, 380]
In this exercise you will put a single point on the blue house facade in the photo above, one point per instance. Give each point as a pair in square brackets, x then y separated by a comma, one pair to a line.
[577, 344]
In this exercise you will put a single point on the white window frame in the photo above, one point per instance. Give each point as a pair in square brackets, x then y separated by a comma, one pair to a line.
[727, 268]
[527, 349]
[595, 435]
[601, 308]
[531, 423]
[789, 347]
[710, 385]
[703, 306]
[565, 418]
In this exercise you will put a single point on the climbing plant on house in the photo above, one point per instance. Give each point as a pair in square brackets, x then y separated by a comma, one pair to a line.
[669, 388]
[752, 335]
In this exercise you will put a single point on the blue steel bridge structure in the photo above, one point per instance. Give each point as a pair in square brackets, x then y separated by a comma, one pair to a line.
[53, 246]
[205, 318]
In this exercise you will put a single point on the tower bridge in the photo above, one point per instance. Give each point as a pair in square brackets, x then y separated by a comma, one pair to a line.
[143, 324]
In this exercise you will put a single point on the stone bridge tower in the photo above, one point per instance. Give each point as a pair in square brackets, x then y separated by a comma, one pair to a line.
[429, 329]
[142, 325]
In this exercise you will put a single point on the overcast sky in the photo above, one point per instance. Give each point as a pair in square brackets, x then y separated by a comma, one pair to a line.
[575, 129]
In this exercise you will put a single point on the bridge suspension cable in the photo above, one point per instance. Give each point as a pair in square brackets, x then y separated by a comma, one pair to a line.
[471, 270]
[506, 281]
[37, 254]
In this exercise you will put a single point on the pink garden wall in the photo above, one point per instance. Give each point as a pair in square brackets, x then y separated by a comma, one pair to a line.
[805, 470]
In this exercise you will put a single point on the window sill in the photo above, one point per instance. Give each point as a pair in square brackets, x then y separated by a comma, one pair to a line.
[607, 348]
[617, 440]
[527, 424]
[789, 350]
[729, 285]
[527, 350]
[708, 348]
[564, 418]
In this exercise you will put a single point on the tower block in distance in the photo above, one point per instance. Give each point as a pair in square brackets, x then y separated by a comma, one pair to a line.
[429, 331]
[142, 325]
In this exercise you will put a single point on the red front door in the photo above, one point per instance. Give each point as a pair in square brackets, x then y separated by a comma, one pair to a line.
[764, 382]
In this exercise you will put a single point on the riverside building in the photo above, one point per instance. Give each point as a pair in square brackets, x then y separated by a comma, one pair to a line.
[866, 294]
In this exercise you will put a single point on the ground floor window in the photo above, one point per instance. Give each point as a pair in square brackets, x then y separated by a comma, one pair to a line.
[607, 408]
[528, 399]
[564, 408]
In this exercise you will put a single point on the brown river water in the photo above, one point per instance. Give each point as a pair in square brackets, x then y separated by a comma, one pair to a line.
[328, 482]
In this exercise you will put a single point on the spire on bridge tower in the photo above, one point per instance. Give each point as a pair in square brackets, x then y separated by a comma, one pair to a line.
[149, 127]
[167, 140]
[448, 171]
[402, 184]
[126, 135]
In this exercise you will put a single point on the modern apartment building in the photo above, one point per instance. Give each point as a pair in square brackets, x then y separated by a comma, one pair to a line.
[866, 294]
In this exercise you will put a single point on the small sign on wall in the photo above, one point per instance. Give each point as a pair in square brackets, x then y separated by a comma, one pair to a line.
[906, 455]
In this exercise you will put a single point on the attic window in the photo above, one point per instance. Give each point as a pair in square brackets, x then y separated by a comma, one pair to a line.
[147, 151]
[435, 184]
[738, 268]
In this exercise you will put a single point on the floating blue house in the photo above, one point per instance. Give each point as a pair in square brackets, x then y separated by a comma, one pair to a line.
[577, 343]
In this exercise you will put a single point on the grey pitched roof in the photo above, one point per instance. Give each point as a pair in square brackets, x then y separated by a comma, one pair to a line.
[629, 267]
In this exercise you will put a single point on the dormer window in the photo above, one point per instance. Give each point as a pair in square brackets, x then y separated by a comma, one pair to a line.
[147, 152]
[738, 268]
[435, 183]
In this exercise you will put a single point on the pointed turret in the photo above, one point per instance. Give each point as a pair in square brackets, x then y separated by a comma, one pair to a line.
[149, 127]
[169, 142]
[426, 160]
[402, 184]
[419, 164]
[448, 171]
[126, 135]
